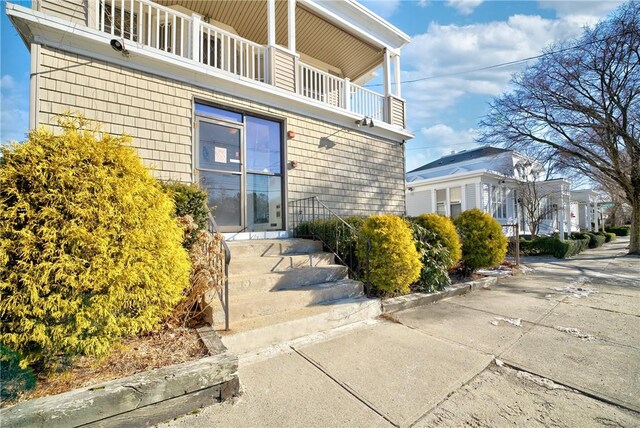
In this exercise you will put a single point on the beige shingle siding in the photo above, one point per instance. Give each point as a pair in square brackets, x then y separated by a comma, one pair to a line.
[284, 70]
[360, 174]
[396, 109]
[69, 10]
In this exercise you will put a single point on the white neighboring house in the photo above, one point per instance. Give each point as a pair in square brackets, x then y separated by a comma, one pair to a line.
[493, 180]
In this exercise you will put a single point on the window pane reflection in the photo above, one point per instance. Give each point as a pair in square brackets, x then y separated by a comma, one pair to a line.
[264, 202]
[224, 197]
[263, 145]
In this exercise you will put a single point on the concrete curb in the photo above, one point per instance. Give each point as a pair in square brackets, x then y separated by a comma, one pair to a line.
[401, 303]
[143, 399]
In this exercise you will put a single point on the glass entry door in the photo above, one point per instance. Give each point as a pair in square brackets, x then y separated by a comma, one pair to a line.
[239, 163]
[220, 172]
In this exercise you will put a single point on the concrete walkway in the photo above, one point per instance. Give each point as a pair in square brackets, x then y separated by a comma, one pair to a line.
[557, 347]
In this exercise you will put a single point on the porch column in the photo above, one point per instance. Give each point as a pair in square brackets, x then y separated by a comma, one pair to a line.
[560, 214]
[271, 22]
[397, 75]
[291, 25]
[387, 72]
[596, 217]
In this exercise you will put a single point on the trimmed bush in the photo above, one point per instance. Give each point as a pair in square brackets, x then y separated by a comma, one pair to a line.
[189, 200]
[483, 243]
[552, 246]
[394, 263]
[89, 248]
[610, 237]
[435, 258]
[336, 236]
[445, 232]
[619, 230]
[595, 239]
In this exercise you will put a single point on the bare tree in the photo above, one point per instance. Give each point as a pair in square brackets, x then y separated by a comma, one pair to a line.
[580, 102]
[534, 199]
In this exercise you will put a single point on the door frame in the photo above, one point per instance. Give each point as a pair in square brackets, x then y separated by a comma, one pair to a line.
[241, 173]
[242, 125]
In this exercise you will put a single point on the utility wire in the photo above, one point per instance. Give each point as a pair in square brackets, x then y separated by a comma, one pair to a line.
[503, 64]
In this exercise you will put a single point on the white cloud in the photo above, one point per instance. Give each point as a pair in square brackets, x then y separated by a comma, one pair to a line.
[465, 7]
[592, 10]
[384, 8]
[423, 3]
[14, 111]
[6, 82]
[436, 141]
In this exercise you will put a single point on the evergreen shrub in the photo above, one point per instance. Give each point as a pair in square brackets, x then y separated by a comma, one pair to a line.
[336, 236]
[190, 200]
[619, 230]
[445, 232]
[394, 262]
[435, 257]
[89, 249]
[483, 243]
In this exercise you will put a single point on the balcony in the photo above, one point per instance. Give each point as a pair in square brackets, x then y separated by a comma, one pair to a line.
[174, 30]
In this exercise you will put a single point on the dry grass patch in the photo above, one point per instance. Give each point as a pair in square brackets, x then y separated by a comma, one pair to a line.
[168, 346]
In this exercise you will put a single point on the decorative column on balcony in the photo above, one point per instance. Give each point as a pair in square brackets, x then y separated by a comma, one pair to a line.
[282, 61]
[394, 105]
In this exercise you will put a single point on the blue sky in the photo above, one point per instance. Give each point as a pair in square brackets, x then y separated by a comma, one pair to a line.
[448, 36]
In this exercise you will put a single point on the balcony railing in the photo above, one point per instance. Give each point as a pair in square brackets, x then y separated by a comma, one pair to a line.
[146, 23]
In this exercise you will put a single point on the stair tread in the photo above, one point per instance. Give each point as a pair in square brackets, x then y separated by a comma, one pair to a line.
[302, 289]
[291, 315]
[240, 276]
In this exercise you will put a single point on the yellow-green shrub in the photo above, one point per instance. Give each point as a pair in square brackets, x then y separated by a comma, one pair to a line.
[445, 232]
[483, 243]
[394, 263]
[89, 250]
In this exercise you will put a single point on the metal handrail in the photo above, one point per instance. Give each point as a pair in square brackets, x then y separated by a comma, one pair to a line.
[312, 209]
[224, 299]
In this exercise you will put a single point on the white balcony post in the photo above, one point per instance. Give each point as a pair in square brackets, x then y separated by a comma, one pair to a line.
[195, 37]
[271, 22]
[347, 94]
[397, 75]
[387, 72]
[291, 28]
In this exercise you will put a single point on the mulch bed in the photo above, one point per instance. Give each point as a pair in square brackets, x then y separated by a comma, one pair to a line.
[167, 346]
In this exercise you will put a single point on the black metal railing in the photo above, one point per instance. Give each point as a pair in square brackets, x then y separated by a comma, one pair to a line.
[512, 232]
[312, 219]
[223, 292]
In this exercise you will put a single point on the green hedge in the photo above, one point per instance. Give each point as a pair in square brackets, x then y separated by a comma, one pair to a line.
[553, 246]
[335, 235]
[619, 231]
[610, 237]
[595, 239]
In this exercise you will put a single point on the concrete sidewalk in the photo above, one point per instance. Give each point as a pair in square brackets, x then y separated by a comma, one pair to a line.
[565, 337]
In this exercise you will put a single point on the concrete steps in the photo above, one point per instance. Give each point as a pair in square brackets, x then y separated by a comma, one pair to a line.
[283, 289]
[251, 305]
[294, 278]
[278, 263]
[274, 247]
[262, 332]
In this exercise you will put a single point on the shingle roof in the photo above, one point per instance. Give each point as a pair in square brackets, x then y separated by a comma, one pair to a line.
[461, 156]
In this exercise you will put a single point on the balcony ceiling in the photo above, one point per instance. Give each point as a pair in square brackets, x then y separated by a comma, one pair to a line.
[315, 36]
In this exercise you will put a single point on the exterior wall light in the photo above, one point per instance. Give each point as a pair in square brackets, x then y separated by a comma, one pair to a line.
[118, 46]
